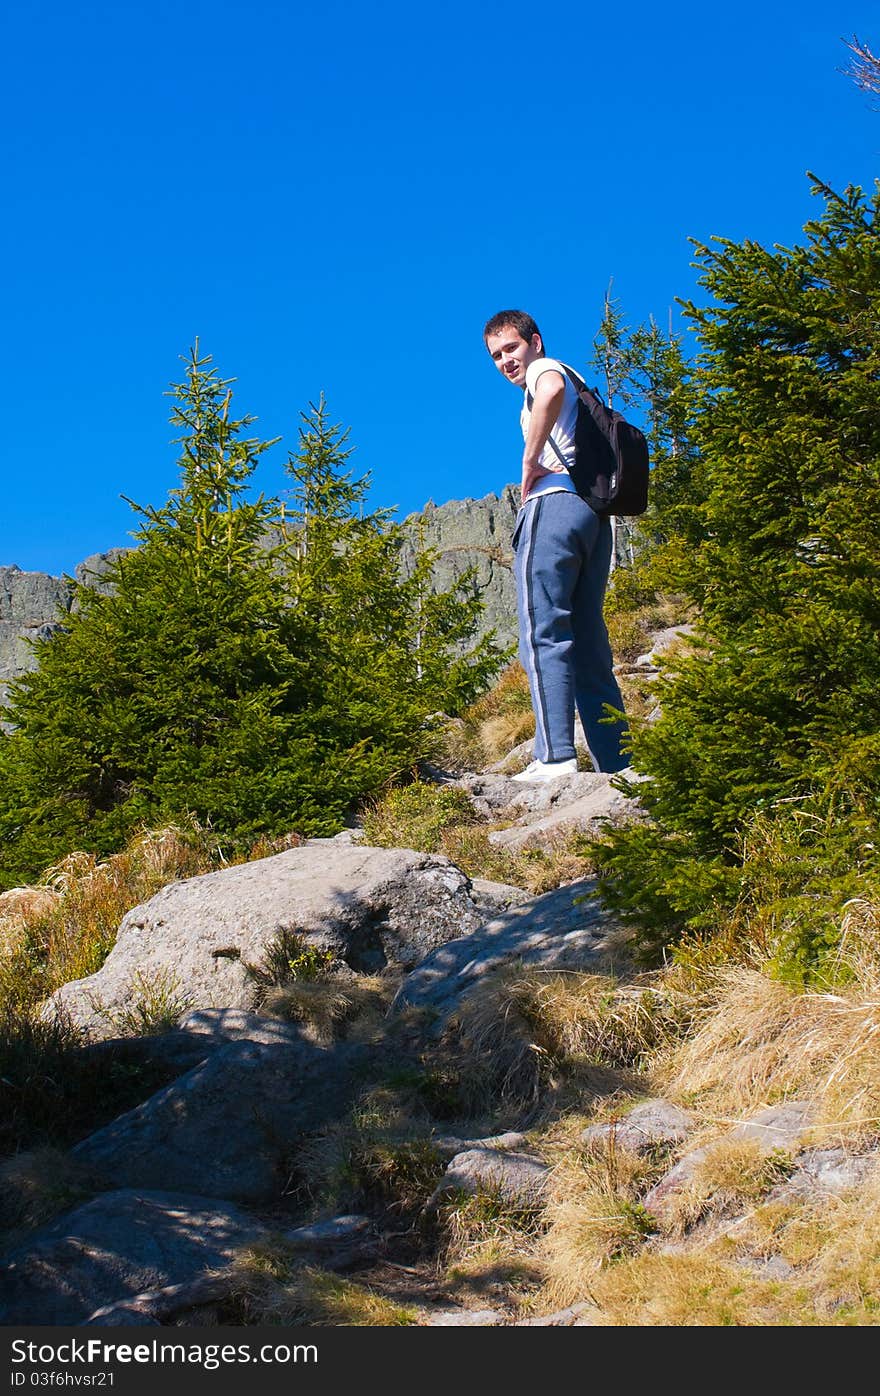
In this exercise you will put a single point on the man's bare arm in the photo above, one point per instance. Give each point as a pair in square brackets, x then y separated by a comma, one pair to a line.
[546, 406]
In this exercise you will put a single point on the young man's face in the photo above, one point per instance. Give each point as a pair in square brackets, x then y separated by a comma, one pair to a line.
[511, 354]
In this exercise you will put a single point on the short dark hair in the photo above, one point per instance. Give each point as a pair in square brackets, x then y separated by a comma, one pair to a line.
[517, 320]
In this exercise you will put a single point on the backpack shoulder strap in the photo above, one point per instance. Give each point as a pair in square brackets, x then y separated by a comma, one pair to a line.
[580, 384]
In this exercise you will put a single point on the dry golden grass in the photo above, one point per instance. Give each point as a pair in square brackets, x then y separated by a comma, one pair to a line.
[732, 1175]
[498, 721]
[836, 1244]
[692, 1291]
[23, 910]
[65, 929]
[760, 1040]
[593, 1216]
[320, 1006]
[268, 1285]
[561, 859]
[329, 1008]
[343, 1303]
[489, 1247]
[502, 733]
[522, 1028]
[832, 1243]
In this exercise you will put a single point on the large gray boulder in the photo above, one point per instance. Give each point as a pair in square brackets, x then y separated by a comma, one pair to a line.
[197, 939]
[230, 1126]
[564, 929]
[115, 1247]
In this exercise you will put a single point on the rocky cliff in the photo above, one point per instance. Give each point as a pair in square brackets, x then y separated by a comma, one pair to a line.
[32, 605]
[464, 533]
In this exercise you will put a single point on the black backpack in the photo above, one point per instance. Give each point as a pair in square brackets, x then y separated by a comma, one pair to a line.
[610, 469]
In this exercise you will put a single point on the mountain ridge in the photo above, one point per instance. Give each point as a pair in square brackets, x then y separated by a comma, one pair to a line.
[462, 532]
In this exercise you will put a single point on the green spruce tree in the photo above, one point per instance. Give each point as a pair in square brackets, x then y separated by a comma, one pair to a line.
[168, 692]
[776, 714]
[389, 656]
[254, 668]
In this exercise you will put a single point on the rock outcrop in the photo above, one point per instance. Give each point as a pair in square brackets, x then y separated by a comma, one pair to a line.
[230, 1126]
[115, 1246]
[207, 939]
[563, 929]
[464, 533]
[473, 533]
[32, 606]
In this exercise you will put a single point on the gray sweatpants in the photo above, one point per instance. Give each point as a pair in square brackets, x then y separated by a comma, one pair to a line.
[562, 555]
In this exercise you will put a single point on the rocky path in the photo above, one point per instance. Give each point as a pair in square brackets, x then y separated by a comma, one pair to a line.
[218, 1166]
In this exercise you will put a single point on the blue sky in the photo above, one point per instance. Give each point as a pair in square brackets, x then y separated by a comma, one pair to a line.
[335, 198]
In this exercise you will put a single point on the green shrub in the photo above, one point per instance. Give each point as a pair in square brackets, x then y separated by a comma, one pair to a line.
[257, 667]
[416, 815]
[779, 703]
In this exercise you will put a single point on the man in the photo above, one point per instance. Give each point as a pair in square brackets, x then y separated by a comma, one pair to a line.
[562, 556]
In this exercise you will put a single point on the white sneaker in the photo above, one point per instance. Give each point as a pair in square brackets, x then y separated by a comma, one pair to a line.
[540, 771]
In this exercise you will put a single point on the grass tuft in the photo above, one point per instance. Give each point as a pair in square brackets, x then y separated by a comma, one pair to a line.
[594, 1216]
[66, 926]
[156, 1003]
[268, 1286]
[416, 815]
[515, 1037]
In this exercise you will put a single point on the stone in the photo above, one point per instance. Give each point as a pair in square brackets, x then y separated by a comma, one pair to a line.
[563, 929]
[653, 1123]
[492, 897]
[464, 1318]
[519, 1179]
[173, 1052]
[222, 1025]
[771, 1267]
[231, 1125]
[579, 803]
[580, 1315]
[820, 1172]
[779, 1127]
[198, 1035]
[448, 1145]
[155, 1306]
[115, 1247]
[661, 642]
[370, 906]
[497, 796]
[331, 1232]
